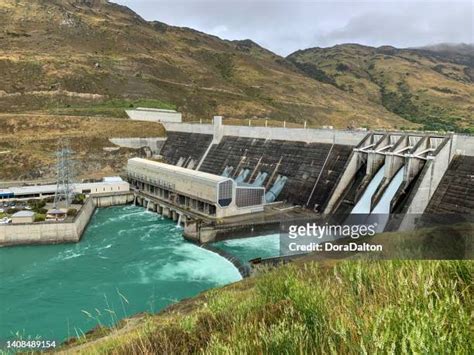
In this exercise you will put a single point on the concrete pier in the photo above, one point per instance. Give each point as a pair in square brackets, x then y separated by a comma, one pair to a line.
[166, 212]
[174, 215]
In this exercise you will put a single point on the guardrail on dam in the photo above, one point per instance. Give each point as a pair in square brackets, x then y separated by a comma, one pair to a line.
[329, 171]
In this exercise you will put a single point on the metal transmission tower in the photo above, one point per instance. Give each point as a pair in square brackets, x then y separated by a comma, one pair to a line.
[65, 175]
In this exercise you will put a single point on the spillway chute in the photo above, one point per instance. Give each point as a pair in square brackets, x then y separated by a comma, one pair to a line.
[384, 205]
[363, 206]
[380, 214]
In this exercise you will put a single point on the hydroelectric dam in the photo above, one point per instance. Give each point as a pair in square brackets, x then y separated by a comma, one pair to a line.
[218, 180]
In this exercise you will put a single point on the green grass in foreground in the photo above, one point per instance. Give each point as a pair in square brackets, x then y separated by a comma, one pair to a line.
[370, 307]
[110, 108]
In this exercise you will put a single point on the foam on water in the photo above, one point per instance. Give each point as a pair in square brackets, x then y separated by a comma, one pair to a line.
[195, 265]
[44, 289]
[246, 249]
[271, 241]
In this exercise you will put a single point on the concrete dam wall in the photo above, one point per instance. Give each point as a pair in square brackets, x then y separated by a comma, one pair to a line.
[312, 168]
[155, 144]
[270, 133]
[185, 149]
[455, 193]
[330, 171]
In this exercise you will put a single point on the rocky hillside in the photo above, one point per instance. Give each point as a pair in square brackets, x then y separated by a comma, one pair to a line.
[433, 86]
[28, 144]
[56, 55]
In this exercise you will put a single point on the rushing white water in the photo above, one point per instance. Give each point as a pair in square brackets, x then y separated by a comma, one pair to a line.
[381, 213]
[126, 252]
[246, 249]
[365, 202]
[384, 204]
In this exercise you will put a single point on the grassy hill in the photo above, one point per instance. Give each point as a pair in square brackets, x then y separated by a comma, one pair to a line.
[61, 56]
[433, 86]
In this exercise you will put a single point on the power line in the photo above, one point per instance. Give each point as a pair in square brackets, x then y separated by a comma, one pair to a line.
[65, 174]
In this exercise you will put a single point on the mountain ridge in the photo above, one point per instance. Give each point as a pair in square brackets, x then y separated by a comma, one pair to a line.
[55, 54]
[433, 86]
[110, 51]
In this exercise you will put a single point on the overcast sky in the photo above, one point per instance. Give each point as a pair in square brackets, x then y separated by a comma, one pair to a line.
[288, 25]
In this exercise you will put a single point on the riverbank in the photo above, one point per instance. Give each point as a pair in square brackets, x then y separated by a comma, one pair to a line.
[344, 307]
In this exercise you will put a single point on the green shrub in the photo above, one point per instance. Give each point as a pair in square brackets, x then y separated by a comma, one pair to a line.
[79, 199]
[342, 67]
[314, 72]
[39, 217]
[12, 210]
[225, 64]
[37, 205]
[72, 212]
[41, 211]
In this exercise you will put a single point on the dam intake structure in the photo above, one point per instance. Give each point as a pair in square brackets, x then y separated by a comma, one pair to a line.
[310, 172]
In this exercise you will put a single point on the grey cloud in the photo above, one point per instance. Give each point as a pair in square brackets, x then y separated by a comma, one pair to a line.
[285, 26]
[407, 25]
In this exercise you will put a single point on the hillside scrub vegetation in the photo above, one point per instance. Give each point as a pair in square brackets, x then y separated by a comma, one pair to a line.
[432, 87]
[107, 108]
[30, 141]
[78, 58]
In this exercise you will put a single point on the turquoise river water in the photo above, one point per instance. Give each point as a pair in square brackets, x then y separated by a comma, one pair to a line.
[128, 261]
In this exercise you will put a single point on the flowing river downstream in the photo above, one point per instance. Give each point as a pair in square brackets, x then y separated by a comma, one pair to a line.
[128, 261]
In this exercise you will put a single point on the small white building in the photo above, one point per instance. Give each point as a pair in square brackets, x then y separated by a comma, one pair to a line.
[23, 217]
[108, 185]
[154, 115]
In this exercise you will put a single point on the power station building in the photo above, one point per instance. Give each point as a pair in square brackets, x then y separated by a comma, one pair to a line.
[190, 190]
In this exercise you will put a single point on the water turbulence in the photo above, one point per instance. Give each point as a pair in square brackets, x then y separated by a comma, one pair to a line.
[382, 209]
[384, 204]
[246, 249]
[129, 261]
[363, 206]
